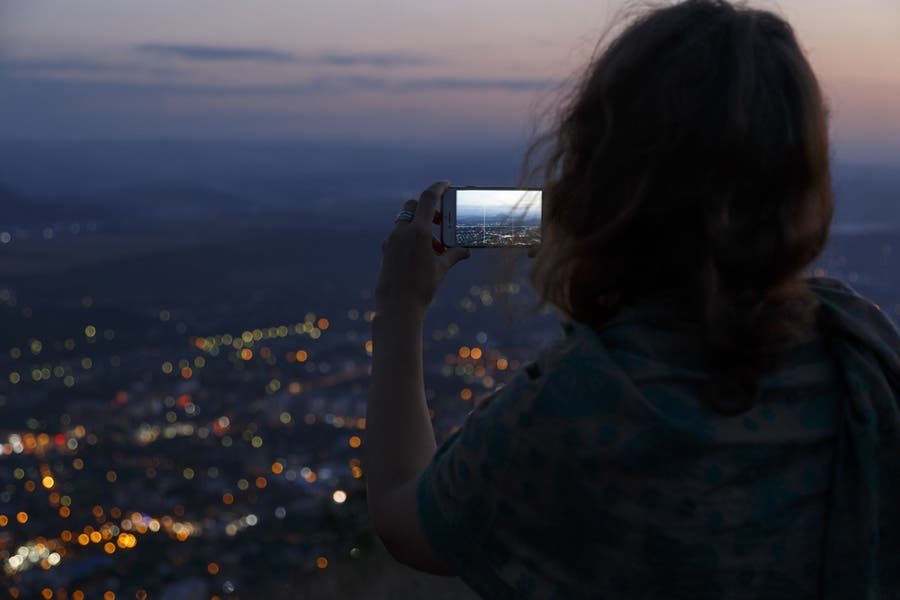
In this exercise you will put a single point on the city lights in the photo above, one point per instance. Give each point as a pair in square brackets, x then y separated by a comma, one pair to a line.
[224, 443]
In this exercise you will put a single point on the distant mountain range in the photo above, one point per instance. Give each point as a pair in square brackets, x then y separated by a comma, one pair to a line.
[18, 209]
[155, 201]
[327, 182]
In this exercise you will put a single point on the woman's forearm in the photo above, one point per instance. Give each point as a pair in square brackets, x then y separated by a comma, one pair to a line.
[399, 436]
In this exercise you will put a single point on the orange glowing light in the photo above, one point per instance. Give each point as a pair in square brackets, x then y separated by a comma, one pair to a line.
[77, 595]
[322, 323]
[246, 353]
[301, 355]
[200, 342]
[464, 352]
[277, 468]
[186, 372]
[109, 595]
[46, 593]
[66, 535]
[355, 441]
[96, 537]
[4, 520]
[502, 364]
[357, 472]
[29, 486]
[476, 353]
[227, 498]
[261, 482]
[64, 512]
[109, 547]
[83, 539]
[47, 482]
[369, 346]
[321, 562]
[361, 422]
[22, 517]
[213, 568]
[465, 394]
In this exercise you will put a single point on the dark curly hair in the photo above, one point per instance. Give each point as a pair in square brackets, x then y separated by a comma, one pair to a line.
[691, 160]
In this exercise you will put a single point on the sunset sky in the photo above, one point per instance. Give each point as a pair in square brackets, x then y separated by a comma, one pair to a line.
[393, 69]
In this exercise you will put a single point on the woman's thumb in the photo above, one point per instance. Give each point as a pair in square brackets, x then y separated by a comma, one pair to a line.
[454, 255]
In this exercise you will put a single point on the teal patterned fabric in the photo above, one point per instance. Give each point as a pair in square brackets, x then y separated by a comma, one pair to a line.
[597, 473]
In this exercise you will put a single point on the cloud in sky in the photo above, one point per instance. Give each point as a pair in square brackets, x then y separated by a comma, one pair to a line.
[216, 53]
[197, 52]
[108, 75]
[368, 59]
[70, 97]
[99, 103]
[56, 65]
[48, 68]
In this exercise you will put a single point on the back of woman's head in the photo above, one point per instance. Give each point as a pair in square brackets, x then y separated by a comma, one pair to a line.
[692, 158]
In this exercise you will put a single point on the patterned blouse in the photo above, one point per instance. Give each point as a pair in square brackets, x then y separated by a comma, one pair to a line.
[597, 473]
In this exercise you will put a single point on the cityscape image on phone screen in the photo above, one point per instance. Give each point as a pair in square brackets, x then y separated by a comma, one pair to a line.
[498, 218]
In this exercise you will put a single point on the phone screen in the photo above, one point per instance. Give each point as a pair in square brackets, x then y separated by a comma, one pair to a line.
[498, 218]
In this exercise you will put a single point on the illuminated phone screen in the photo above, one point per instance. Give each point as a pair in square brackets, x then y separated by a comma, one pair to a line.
[498, 218]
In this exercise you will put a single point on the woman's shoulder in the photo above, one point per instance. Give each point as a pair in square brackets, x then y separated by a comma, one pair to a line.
[831, 290]
[843, 308]
[848, 316]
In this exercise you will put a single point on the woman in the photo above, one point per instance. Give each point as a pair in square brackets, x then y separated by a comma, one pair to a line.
[713, 424]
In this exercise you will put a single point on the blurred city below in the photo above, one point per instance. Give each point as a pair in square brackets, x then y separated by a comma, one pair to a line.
[183, 370]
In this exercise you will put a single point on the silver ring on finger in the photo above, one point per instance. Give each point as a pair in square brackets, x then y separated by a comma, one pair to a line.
[404, 216]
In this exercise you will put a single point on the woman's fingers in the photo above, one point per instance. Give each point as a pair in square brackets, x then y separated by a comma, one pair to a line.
[427, 203]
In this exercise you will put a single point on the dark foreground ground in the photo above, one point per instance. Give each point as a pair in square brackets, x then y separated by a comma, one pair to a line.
[374, 576]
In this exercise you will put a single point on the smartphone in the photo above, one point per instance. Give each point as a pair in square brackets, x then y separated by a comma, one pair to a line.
[491, 217]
